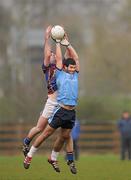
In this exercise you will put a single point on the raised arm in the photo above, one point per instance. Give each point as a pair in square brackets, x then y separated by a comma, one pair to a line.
[47, 48]
[59, 64]
[66, 43]
[70, 52]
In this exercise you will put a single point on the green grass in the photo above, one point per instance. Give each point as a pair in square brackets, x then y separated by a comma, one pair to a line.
[92, 167]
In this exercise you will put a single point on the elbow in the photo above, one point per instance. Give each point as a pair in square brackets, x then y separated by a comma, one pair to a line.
[58, 57]
[77, 58]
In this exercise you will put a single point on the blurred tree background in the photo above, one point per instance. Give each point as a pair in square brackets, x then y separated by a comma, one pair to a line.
[100, 30]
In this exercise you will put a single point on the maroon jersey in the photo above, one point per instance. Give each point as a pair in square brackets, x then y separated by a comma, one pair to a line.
[50, 77]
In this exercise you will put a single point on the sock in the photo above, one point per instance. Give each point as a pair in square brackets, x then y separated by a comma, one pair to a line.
[32, 151]
[70, 156]
[54, 155]
[27, 141]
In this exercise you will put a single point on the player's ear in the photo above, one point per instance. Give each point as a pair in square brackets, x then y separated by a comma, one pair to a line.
[64, 66]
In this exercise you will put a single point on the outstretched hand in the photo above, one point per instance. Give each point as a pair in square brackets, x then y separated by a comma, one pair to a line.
[65, 40]
[66, 36]
[48, 32]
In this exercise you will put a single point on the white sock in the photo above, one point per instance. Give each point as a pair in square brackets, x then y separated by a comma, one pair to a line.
[32, 151]
[54, 155]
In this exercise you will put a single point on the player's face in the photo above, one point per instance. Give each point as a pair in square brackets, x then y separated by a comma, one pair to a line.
[71, 68]
[126, 115]
[53, 58]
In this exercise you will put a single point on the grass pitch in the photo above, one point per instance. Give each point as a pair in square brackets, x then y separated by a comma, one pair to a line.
[91, 167]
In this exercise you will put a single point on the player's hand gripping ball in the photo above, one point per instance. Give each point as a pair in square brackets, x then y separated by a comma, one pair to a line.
[57, 33]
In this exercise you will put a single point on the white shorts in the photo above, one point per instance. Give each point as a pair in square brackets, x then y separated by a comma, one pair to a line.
[49, 108]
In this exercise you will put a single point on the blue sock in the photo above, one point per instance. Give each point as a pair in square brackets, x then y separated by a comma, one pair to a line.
[69, 156]
[27, 141]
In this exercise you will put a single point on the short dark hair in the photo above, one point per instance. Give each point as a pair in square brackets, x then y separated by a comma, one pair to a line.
[125, 111]
[68, 61]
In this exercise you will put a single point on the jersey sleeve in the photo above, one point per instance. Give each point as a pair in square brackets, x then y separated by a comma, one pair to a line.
[44, 68]
[77, 74]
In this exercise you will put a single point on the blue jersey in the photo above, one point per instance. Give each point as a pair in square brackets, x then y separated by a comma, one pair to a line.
[50, 77]
[67, 85]
[124, 126]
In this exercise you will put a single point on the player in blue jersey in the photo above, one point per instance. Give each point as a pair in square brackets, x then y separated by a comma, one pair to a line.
[64, 114]
[49, 69]
[70, 54]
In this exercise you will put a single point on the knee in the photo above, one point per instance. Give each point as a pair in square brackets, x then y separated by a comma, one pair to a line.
[61, 139]
[39, 129]
[47, 133]
[66, 136]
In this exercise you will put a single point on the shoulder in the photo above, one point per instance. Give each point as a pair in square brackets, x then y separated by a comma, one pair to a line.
[45, 68]
[52, 66]
[77, 73]
[58, 71]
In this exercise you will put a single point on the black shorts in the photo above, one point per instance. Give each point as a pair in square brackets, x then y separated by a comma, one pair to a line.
[62, 118]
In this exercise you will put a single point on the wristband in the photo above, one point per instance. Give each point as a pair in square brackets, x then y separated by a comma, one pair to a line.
[68, 46]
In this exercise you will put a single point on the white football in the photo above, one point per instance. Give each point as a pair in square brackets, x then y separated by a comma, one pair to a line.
[57, 32]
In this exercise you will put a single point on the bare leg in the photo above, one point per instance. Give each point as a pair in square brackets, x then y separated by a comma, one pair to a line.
[59, 142]
[64, 137]
[61, 139]
[43, 136]
[42, 123]
[69, 144]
